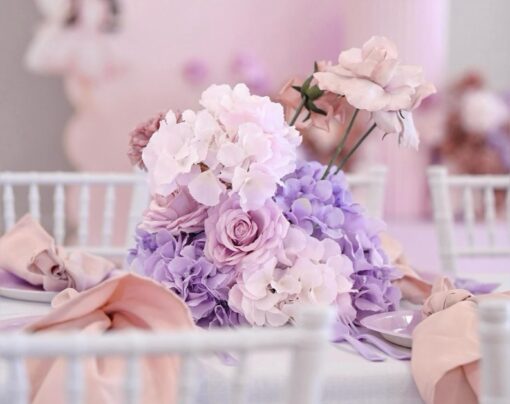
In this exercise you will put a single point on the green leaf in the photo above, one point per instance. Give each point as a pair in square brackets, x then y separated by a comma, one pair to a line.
[297, 88]
[313, 108]
[306, 84]
[314, 93]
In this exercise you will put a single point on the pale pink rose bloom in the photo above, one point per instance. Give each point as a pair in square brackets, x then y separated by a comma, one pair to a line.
[177, 212]
[235, 236]
[373, 79]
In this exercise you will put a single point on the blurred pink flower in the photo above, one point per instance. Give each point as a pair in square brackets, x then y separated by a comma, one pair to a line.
[195, 71]
[331, 103]
[249, 69]
[177, 212]
[482, 112]
[139, 138]
[373, 79]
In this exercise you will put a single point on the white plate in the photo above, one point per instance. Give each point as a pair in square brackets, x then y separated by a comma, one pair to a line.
[15, 288]
[394, 326]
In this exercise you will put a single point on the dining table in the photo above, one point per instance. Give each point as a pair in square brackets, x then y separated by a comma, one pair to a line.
[348, 377]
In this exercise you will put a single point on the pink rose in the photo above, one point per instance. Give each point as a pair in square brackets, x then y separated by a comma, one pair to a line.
[236, 237]
[139, 138]
[373, 79]
[177, 212]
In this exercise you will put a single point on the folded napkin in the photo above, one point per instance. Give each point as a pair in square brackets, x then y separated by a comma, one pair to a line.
[30, 253]
[124, 302]
[446, 350]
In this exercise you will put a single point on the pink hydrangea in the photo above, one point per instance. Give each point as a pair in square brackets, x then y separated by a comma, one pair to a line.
[175, 152]
[235, 237]
[177, 212]
[306, 271]
[239, 142]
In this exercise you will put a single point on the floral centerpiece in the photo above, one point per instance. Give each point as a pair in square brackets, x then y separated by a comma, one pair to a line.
[243, 230]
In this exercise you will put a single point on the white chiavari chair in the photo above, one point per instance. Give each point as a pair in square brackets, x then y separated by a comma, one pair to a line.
[59, 182]
[368, 189]
[495, 352]
[306, 343]
[468, 187]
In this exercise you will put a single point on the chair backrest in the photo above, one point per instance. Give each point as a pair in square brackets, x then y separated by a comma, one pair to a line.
[14, 183]
[495, 352]
[368, 189]
[468, 187]
[306, 343]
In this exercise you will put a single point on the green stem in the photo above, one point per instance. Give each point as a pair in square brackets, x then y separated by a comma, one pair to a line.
[356, 146]
[341, 145]
[298, 111]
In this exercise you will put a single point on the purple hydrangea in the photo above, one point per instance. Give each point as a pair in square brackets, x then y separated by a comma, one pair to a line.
[178, 262]
[325, 209]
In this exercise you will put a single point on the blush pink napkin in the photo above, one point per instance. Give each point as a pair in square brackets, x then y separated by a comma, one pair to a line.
[124, 302]
[30, 253]
[446, 351]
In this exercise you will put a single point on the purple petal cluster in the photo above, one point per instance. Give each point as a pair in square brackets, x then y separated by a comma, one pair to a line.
[373, 291]
[178, 262]
[324, 208]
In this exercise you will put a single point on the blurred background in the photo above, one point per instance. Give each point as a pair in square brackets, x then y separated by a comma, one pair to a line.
[77, 75]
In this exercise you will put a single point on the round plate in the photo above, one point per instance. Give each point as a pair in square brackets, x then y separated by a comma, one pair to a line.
[394, 326]
[16, 323]
[15, 288]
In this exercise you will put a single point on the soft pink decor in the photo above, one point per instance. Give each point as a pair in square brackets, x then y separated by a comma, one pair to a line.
[125, 302]
[30, 253]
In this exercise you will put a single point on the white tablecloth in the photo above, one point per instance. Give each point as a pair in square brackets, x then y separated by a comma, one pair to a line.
[349, 377]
